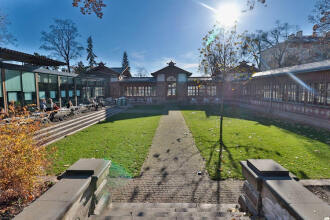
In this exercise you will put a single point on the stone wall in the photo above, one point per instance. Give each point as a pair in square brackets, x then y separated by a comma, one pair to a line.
[80, 193]
[270, 191]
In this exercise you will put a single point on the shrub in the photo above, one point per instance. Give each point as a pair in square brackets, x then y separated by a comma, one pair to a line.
[22, 161]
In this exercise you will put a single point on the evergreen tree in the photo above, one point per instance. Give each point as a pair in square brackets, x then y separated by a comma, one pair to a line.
[90, 54]
[125, 62]
[80, 68]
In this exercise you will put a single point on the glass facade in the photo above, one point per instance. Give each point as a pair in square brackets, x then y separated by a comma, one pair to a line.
[48, 87]
[20, 87]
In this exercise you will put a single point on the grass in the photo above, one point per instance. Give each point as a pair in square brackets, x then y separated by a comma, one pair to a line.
[303, 150]
[124, 139]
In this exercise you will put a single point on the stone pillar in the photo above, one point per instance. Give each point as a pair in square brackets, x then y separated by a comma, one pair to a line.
[271, 192]
[81, 192]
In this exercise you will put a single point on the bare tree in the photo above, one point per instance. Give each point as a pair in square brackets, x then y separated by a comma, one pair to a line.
[320, 16]
[5, 36]
[61, 40]
[277, 41]
[219, 54]
[141, 72]
[252, 46]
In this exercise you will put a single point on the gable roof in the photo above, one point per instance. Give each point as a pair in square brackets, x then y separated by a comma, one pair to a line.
[171, 69]
[103, 70]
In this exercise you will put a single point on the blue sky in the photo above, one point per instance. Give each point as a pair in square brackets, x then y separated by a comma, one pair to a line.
[151, 31]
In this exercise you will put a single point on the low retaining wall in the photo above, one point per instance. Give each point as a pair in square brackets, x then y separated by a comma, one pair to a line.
[79, 193]
[311, 120]
[270, 191]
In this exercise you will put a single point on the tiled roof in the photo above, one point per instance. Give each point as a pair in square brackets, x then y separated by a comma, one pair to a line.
[118, 70]
[171, 69]
[102, 69]
[302, 68]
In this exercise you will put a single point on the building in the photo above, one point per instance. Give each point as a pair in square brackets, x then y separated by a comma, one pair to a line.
[297, 49]
[27, 79]
[303, 90]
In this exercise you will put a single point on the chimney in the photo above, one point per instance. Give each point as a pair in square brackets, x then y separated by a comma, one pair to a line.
[299, 34]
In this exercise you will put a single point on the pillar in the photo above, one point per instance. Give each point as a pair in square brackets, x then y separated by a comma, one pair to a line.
[59, 90]
[36, 76]
[4, 91]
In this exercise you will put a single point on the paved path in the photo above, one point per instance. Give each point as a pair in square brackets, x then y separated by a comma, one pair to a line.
[169, 174]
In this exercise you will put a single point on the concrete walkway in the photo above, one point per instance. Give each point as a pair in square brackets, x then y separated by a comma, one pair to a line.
[170, 173]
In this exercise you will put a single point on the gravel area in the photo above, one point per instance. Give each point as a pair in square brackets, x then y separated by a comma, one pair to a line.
[323, 192]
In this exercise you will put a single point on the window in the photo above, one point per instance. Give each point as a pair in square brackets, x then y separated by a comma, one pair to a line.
[52, 94]
[13, 80]
[202, 90]
[292, 92]
[320, 94]
[28, 82]
[310, 94]
[70, 93]
[78, 92]
[42, 94]
[43, 78]
[28, 96]
[12, 96]
[63, 93]
[267, 93]
[214, 91]
[171, 89]
[301, 95]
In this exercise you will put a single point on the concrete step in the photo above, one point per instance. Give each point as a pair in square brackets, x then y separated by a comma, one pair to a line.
[73, 121]
[171, 211]
[71, 128]
[58, 124]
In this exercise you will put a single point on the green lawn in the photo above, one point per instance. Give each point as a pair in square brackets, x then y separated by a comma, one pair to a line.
[124, 139]
[303, 150]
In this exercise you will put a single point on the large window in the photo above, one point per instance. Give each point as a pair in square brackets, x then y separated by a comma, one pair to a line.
[171, 89]
[13, 86]
[48, 87]
[140, 91]
[320, 92]
[29, 87]
[202, 90]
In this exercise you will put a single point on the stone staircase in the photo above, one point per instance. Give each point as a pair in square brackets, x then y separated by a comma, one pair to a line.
[62, 129]
[158, 211]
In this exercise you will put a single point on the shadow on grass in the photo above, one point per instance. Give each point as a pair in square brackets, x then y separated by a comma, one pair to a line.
[230, 111]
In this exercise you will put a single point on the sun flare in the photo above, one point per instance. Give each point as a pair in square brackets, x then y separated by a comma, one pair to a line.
[227, 14]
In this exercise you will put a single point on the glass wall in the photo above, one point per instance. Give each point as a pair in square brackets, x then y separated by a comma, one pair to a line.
[20, 87]
[29, 88]
[79, 90]
[13, 86]
[48, 87]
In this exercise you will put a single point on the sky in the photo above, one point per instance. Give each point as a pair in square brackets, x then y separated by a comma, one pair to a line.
[153, 32]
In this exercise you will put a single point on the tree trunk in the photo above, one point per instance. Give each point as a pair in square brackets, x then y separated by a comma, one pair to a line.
[68, 66]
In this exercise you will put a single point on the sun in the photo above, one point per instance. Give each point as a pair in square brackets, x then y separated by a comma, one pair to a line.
[227, 14]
